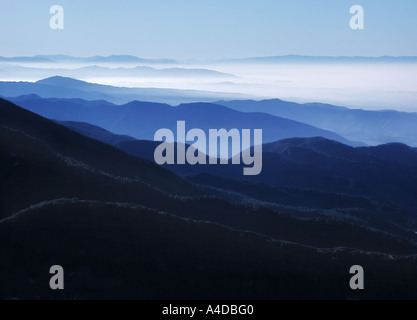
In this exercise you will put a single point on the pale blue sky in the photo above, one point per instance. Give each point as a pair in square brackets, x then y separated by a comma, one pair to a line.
[204, 29]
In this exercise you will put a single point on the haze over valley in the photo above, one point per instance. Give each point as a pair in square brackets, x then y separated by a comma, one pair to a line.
[354, 82]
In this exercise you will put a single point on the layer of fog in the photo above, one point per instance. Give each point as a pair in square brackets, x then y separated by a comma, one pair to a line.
[368, 86]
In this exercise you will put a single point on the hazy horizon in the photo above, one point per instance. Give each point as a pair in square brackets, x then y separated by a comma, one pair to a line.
[373, 85]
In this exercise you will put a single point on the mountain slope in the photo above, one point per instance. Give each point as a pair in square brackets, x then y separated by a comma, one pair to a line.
[97, 133]
[57, 162]
[121, 251]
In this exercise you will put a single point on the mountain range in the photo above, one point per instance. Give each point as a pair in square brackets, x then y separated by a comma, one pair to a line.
[12, 72]
[370, 127]
[323, 59]
[142, 119]
[386, 172]
[355, 126]
[271, 59]
[94, 59]
[125, 228]
[308, 173]
[62, 87]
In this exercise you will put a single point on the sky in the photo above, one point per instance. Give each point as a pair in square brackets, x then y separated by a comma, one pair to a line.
[208, 29]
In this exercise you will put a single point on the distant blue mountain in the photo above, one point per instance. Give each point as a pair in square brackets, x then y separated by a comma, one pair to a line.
[129, 59]
[371, 127]
[23, 72]
[62, 87]
[87, 103]
[324, 59]
[125, 59]
[36, 59]
[49, 90]
[98, 59]
[142, 119]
